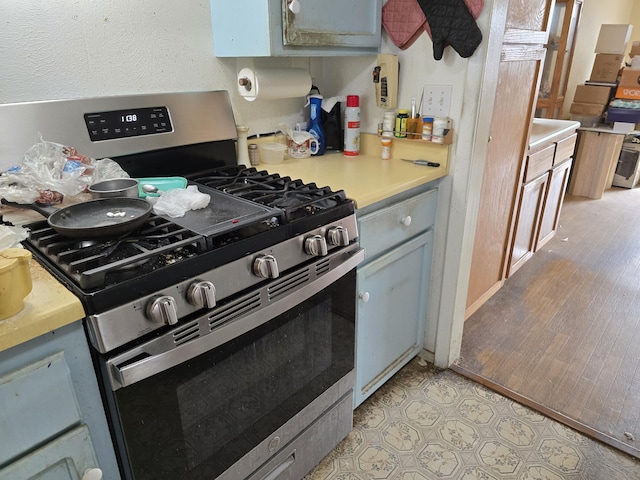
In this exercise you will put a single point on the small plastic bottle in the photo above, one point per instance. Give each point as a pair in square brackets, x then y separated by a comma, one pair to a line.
[439, 125]
[388, 121]
[315, 122]
[385, 142]
[401, 123]
[427, 128]
[352, 126]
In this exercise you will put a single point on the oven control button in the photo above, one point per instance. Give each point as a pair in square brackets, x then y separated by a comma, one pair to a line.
[162, 309]
[338, 236]
[315, 246]
[266, 266]
[202, 293]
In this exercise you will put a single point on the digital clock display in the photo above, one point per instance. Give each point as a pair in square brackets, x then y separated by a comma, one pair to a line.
[129, 118]
[127, 123]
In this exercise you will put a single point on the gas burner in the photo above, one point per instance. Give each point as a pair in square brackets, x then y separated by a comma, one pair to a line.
[233, 179]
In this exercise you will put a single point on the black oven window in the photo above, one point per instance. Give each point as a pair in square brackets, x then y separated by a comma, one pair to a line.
[197, 419]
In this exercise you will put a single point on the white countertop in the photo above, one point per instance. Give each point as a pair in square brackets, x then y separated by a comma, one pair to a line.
[546, 130]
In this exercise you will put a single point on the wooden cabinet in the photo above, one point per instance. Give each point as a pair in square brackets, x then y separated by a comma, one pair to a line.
[557, 65]
[52, 410]
[392, 286]
[519, 70]
[596, 161]
[542, 193]
[320, 28]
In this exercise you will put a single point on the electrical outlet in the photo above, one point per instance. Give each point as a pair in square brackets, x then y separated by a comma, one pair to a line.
[436, 100]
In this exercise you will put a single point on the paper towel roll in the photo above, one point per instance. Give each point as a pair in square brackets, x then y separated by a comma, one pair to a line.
[272, 83]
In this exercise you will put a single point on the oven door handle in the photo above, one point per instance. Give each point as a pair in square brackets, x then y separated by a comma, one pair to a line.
[145, 361]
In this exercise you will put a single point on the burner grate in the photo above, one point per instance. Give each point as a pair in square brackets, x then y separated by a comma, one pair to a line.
[95, 264]
[295, 198]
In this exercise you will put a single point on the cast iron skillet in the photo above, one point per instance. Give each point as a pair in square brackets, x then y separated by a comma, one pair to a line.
[104, 217]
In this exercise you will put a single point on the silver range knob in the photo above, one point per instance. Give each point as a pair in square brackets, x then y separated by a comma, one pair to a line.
[202, 293]
[162, 309]
[266, 266]
[315, 245]
[338, 236]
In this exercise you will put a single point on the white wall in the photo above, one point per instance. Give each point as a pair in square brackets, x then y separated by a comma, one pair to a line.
[75, 48]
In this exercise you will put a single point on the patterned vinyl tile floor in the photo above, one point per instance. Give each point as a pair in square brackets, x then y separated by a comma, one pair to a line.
[431, 424]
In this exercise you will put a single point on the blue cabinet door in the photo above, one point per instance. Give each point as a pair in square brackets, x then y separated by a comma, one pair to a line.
[320, 28]
[391, 312]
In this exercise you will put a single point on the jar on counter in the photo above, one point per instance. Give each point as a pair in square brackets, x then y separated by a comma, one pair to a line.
[427, 128]
[254, 155]
[401, 123]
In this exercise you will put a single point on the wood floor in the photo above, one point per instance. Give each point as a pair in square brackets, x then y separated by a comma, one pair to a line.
[563, 333]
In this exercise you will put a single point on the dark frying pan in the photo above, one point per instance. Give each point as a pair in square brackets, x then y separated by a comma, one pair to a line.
[104, 217]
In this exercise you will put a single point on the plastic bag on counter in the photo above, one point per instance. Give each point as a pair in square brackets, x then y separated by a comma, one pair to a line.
[178, 201]
[10, 237]
[50, 171]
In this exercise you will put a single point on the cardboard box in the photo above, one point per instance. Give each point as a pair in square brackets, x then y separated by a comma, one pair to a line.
[635, 50]
[606, 67]
[613, 38]
[592, 109]
[592, 94]
[629, 86]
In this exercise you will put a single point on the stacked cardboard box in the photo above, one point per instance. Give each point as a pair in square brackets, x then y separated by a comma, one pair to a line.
[590, 100]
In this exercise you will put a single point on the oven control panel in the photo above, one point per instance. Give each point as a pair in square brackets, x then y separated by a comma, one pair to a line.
[127, 123]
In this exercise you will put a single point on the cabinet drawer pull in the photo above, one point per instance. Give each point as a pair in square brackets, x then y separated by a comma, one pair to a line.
[364, 296]
[406, 221]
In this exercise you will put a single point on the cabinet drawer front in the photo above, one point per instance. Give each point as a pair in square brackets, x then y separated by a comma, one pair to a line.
[395, 224]
[68, 456]
[565, 148]
[38, 403]
[539, 162]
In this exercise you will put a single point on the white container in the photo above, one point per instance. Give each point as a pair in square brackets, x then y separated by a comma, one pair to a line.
[272, 152]
[388, 121]
[439, 125]
[242, 154]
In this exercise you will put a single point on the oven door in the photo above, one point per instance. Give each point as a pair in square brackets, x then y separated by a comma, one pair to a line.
[229, 390]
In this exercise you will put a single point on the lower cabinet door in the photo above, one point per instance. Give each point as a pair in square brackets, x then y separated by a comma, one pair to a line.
[68, 457]
[553, 202]
[391, 313]
[528, 221]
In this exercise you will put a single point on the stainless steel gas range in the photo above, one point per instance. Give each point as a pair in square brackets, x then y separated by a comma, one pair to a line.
[223, 340]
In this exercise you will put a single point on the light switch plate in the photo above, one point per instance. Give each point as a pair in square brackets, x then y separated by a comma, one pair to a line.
[436, 100]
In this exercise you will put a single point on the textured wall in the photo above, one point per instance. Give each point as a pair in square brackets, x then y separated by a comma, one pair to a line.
[74, 48]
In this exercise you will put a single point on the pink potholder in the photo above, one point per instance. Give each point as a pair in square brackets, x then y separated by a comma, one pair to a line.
[404, 21]
[474, 6]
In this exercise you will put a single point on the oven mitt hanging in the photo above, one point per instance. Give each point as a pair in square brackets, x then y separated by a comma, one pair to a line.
[451, 23]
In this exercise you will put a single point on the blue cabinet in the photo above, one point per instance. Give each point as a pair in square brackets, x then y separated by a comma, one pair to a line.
[271, 28]
[51, 414]
[392, 286]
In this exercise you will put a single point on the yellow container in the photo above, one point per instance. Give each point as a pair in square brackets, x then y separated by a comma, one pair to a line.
[15, 280]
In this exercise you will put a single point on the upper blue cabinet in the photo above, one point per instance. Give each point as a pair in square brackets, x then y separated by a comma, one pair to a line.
[286, 28]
